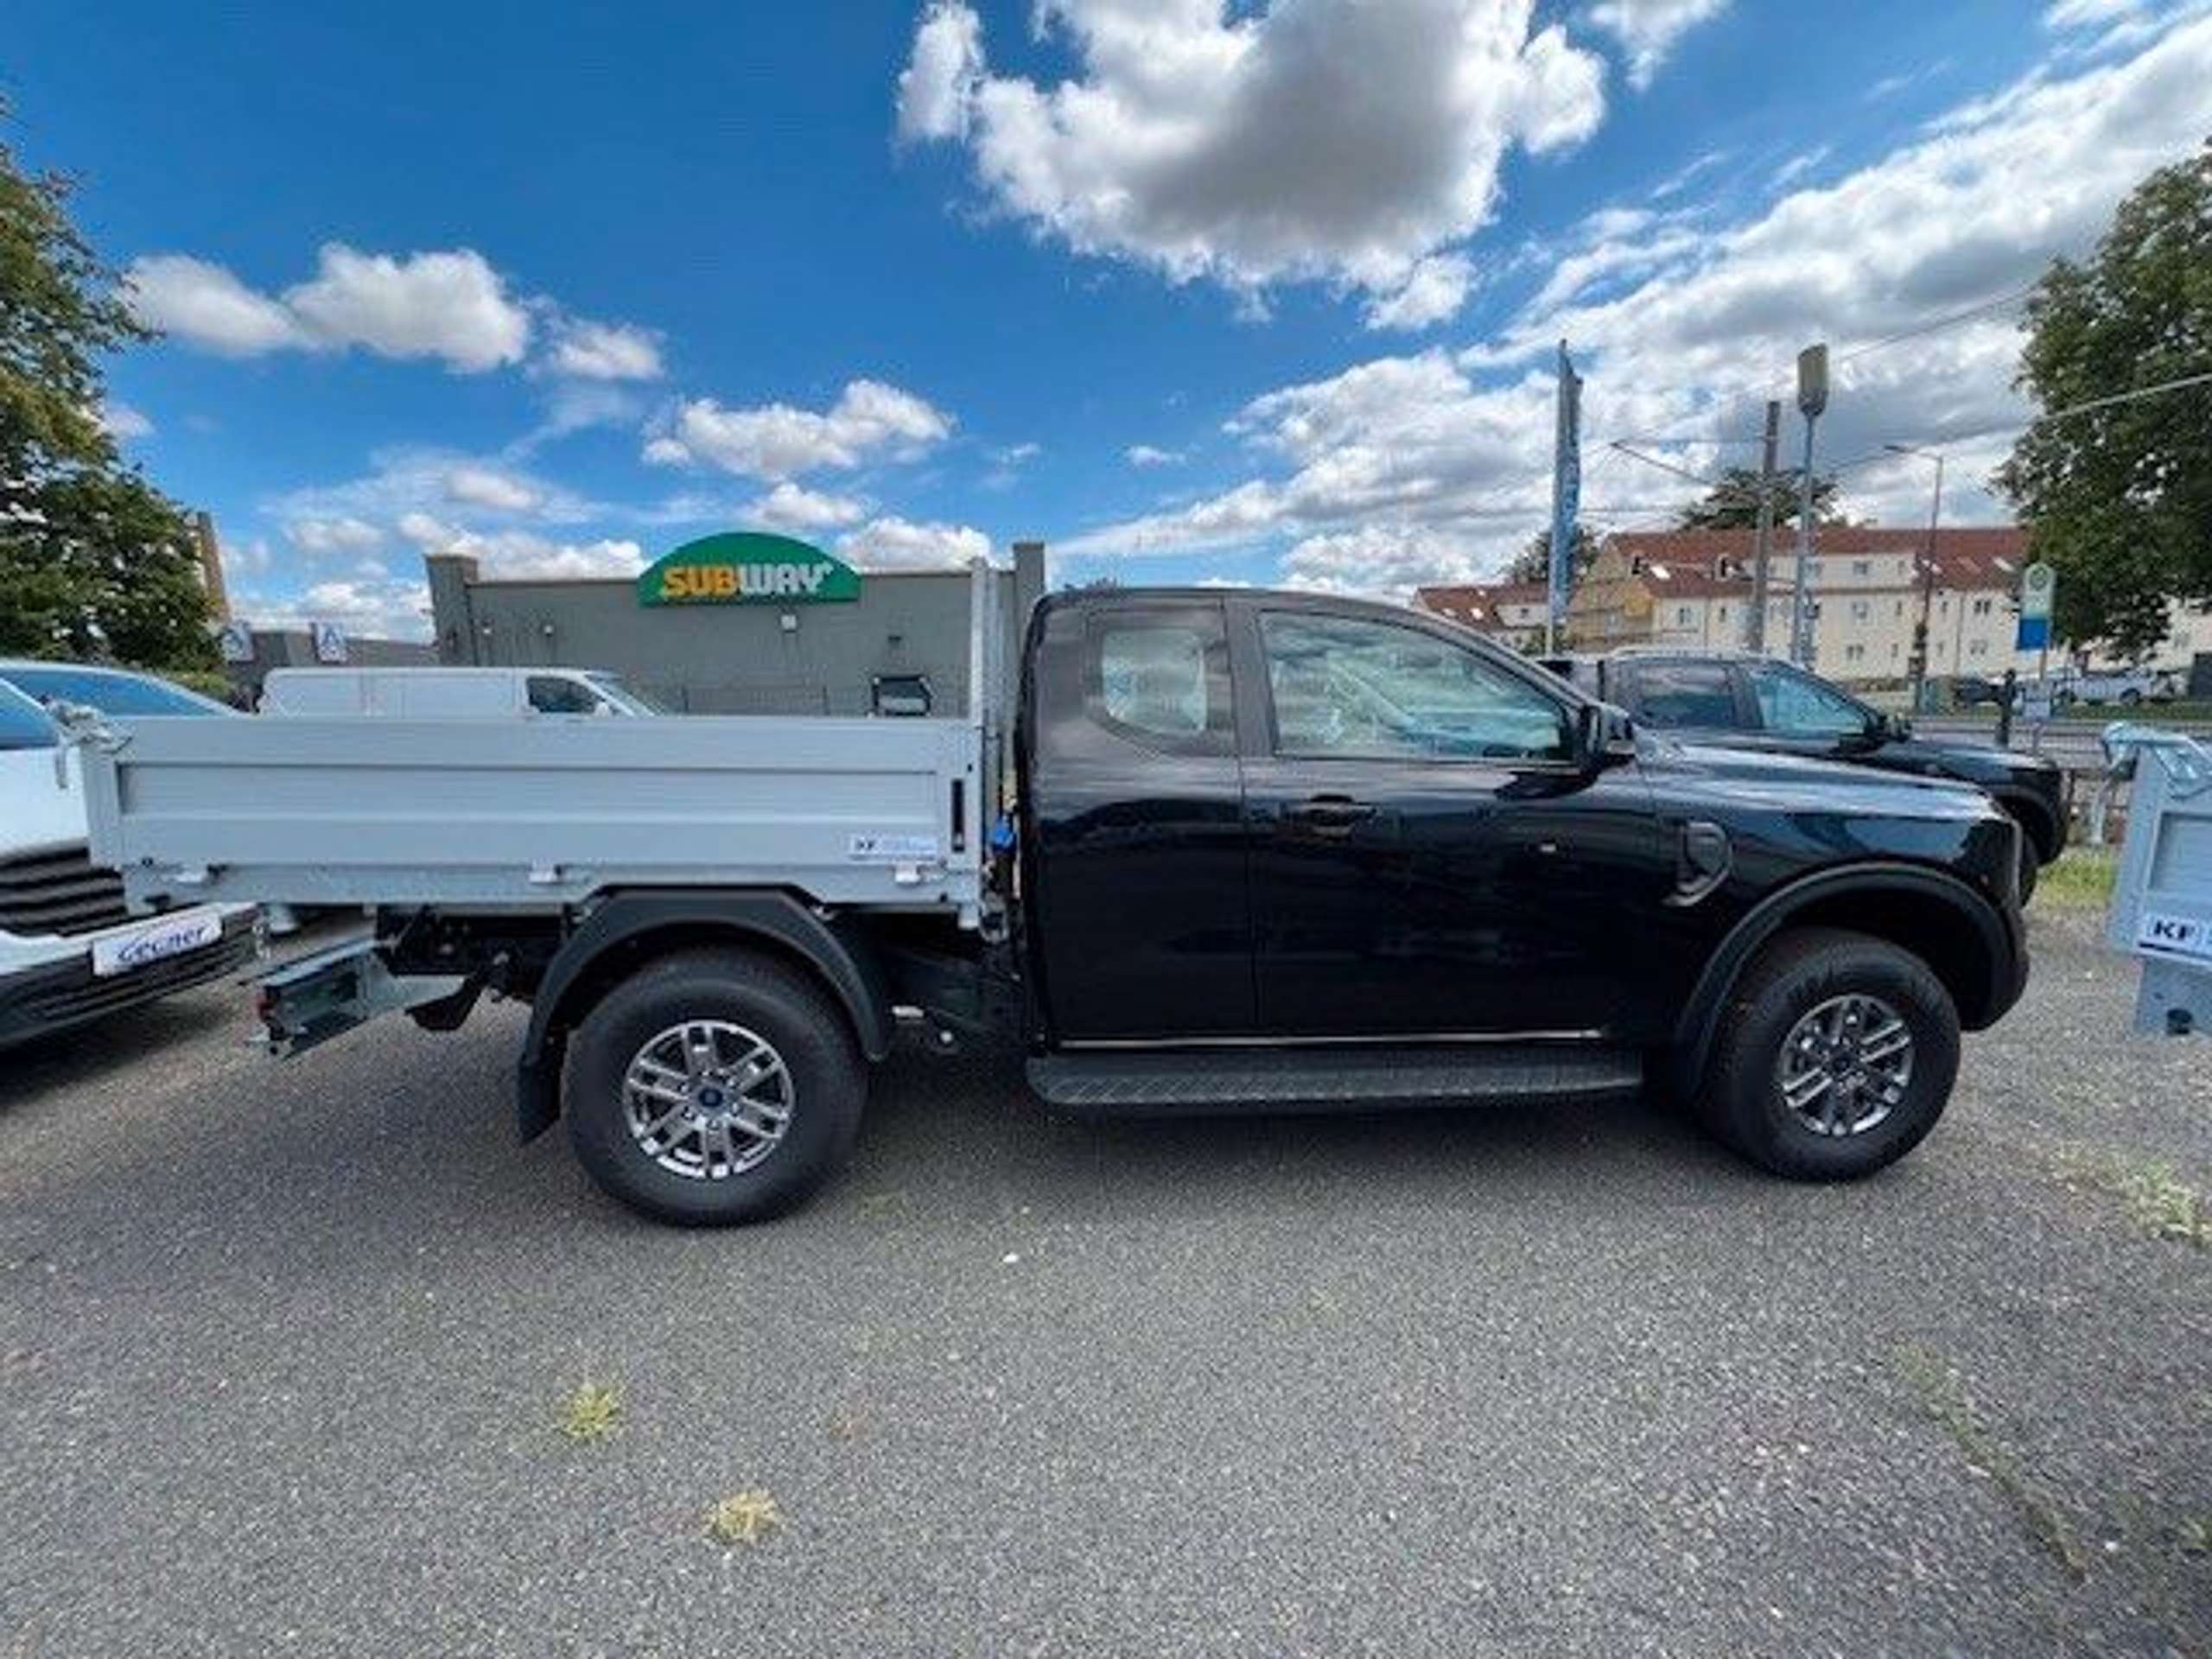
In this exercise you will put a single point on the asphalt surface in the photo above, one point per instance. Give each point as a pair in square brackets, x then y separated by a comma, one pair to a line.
[282, 1348]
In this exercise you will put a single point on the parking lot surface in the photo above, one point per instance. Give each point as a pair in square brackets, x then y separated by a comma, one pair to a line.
[284, 1352]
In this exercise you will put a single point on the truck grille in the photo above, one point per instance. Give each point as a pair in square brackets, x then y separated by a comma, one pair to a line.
[59, 891]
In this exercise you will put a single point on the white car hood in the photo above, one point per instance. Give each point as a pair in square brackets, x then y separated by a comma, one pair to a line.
[39, 811]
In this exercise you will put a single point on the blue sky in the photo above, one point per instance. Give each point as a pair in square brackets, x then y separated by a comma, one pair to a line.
[1193, 291]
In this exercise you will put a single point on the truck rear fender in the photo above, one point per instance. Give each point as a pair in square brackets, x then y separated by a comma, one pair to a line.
[634, 928]
[2036, 819]
[1965, 940]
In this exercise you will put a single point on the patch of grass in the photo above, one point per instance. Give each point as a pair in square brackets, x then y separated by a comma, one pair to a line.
[743, 1518]
[2155, 1199]
[1946, 1400]
[591, 1412]
[2080, 879]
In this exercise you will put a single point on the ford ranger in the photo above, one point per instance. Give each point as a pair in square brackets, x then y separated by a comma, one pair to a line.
[1239, 850]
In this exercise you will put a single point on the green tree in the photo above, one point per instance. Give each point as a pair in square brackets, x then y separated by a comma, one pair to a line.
[1733, 501]
[2119, 499]
[1534, 561]
[94, 562]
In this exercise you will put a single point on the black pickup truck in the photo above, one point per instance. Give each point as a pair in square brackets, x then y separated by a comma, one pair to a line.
[1259, 851]
[1755, 703]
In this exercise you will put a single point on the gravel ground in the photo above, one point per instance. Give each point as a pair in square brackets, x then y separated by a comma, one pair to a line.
[283, 1348]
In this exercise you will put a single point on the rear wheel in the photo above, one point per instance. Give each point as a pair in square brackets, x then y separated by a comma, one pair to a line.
[713, 1087]
[1836, 1056]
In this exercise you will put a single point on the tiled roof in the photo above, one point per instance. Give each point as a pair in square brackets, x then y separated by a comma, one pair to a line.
[1981, 557]
[1478, 602]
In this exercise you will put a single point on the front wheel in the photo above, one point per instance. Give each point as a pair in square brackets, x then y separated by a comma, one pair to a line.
[713, 1087]
[1836, 1057]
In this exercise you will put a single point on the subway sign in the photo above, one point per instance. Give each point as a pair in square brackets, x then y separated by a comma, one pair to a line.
[747, 567]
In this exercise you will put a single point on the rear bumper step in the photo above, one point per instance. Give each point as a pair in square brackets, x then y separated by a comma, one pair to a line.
[1309, 1079]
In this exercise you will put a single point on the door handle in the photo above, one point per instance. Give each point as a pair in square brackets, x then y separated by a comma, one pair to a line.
[1330, 815]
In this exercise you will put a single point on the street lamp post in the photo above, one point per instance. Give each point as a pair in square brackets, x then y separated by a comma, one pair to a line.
[1919, 668]
[1812, 399]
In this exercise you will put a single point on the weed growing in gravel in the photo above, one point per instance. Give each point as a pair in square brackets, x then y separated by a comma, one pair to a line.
[2080, 879]
[591, 1412]
[1945, 1399]
[743, 1518]
[2156, 1199]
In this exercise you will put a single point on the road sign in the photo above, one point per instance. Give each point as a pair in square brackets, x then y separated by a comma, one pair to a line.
[329, 641]
[234, 642]
[2037, 584]
[2035, 702]
[2033, 634]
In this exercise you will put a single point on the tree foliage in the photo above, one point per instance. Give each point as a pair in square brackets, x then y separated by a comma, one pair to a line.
[1733, 502]
[94, 562]
[2119, 499]
[1534, 561]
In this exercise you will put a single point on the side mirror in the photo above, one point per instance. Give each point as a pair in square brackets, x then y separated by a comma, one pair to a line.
[1604, 735]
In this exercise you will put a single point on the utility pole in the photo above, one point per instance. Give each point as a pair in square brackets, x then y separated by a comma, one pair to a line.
[1919, 665]
[1812, 399]
[1567, 490]
[1763, 545]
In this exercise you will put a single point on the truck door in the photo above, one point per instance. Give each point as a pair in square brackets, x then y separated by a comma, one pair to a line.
[1427, 858]
[1139, 925]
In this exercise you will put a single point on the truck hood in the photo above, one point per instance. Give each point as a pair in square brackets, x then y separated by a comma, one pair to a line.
[39, 811]
[1792, 782]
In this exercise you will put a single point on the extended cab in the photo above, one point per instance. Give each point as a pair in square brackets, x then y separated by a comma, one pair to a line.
[1756, 702]
[1262, 850]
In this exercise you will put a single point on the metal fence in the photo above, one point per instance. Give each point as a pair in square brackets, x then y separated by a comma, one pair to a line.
[2075, 747]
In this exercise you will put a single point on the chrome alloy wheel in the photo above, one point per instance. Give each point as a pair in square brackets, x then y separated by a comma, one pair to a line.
[706, 1099]
[1846, 1065]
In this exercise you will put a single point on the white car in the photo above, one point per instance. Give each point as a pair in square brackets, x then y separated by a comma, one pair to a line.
[70, 952]
[2123, 685]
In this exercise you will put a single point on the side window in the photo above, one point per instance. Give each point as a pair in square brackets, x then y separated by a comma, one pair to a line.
[1162, 678]
[1800, 706]
[1343, 685]
[550, 695]
[1683, 694]
[24, 724]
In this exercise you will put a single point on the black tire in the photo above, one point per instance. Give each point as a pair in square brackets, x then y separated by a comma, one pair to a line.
[828, 1086]
[1741, 1101]
[2030, 866]
[2130, 698]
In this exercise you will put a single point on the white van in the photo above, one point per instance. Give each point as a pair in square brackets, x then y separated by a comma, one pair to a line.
[450, 693]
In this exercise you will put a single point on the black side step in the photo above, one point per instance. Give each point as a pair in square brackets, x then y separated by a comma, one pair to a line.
[1289, 1079]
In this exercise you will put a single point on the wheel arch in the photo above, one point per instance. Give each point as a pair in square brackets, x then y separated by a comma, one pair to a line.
[1965, 940]
[2037, 818]
[633, 929]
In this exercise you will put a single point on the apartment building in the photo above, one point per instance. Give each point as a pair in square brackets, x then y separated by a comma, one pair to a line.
[1694, 587]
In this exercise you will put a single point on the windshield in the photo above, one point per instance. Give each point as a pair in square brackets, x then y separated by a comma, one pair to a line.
[24, 724]
[628, 698]
[108, 690]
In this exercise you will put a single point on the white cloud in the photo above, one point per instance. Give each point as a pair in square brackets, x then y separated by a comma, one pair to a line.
[777, 440]
[1146, 454]
[1434, 466]
[320, 537]
[450, 305]
[605, 351]
[894, 543]
[407, 478]
[1436, 291]
[2088, 14]
[484, 486]
[1326, 140]
[1799, 165]
[123, 422]
[206, 305]
[1648, 30]
[938, 85]
[244, 559]
[521, 553]
[789, 506]
[365, 606]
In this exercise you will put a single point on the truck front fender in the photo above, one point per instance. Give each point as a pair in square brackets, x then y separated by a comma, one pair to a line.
[631, 929]
[1977, 950]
